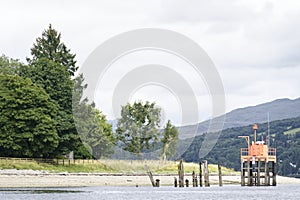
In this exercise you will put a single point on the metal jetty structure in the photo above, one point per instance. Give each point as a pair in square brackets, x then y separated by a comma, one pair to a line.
[258, 162]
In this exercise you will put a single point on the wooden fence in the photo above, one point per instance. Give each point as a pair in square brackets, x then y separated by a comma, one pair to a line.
[54, 161]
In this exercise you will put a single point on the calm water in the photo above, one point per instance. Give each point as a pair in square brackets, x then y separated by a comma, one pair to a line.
[133, 193]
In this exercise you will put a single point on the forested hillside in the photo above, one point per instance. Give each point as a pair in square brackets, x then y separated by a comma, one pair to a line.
[284, 135]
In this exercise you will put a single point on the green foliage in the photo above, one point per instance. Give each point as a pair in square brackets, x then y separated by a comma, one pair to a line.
[27, 125]
[50, 46]
[169, 140]
[53, 78]
[56, 82]
[94, 131]
[51, 69]
[138, 126]
[9, 65]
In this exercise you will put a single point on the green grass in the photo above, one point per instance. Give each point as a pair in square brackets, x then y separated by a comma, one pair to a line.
[110, 166]
[292, 131]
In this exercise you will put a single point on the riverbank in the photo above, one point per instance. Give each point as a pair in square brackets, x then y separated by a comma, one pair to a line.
[31, 178]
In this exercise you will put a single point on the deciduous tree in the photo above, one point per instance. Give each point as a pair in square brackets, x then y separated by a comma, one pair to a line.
[27, 124]
[138, 126]
[169, 140]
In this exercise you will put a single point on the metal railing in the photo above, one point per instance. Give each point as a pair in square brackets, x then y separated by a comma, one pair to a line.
[244, 152]
[272, 152]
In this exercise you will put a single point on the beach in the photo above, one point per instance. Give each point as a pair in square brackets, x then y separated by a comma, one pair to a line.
[31, 178]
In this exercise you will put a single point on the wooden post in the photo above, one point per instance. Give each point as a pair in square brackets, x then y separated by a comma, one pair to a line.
[181, 173]
[206, 174]
[150, 175]
[200, 174]
[267, 173]
[186, 183]
[220, 175]
[157, 183]
[251, 173]
[175, 182]
[258, 172]
[274, 173]
[242, 173]
[248, 171]
[194, 178]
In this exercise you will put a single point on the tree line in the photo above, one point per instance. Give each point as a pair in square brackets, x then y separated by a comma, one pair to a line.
[42, 104]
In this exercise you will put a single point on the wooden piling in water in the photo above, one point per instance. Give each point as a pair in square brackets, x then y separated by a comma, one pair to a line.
[248, 171]
[157, 183]
[194, 179]
[181, 173]
[206, 174]
[220, 175]
[150, 175]
[200, 174]
[266, 173]
[186, 183]
[258, 172]
[274, 173]
[242, 173]
[175, 182]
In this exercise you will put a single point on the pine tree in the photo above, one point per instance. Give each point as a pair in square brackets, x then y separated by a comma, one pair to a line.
[50, 46]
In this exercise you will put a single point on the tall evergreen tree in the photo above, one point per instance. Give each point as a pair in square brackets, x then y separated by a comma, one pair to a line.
[50, 46]
[52, 67]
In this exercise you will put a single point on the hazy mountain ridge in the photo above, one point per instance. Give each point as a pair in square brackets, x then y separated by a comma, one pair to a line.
[278, 109]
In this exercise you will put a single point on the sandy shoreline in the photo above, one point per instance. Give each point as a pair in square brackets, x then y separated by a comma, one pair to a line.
[30, 178]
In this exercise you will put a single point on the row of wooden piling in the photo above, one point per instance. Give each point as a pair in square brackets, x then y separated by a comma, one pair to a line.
[180, 182]
[204, 163]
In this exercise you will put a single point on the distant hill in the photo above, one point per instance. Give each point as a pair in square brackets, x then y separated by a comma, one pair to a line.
[278, 110]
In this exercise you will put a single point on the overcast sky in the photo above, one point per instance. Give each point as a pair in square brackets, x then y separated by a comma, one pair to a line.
[255, 45]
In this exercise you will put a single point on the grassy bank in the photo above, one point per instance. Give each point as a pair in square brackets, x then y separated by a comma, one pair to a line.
[109, 166]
